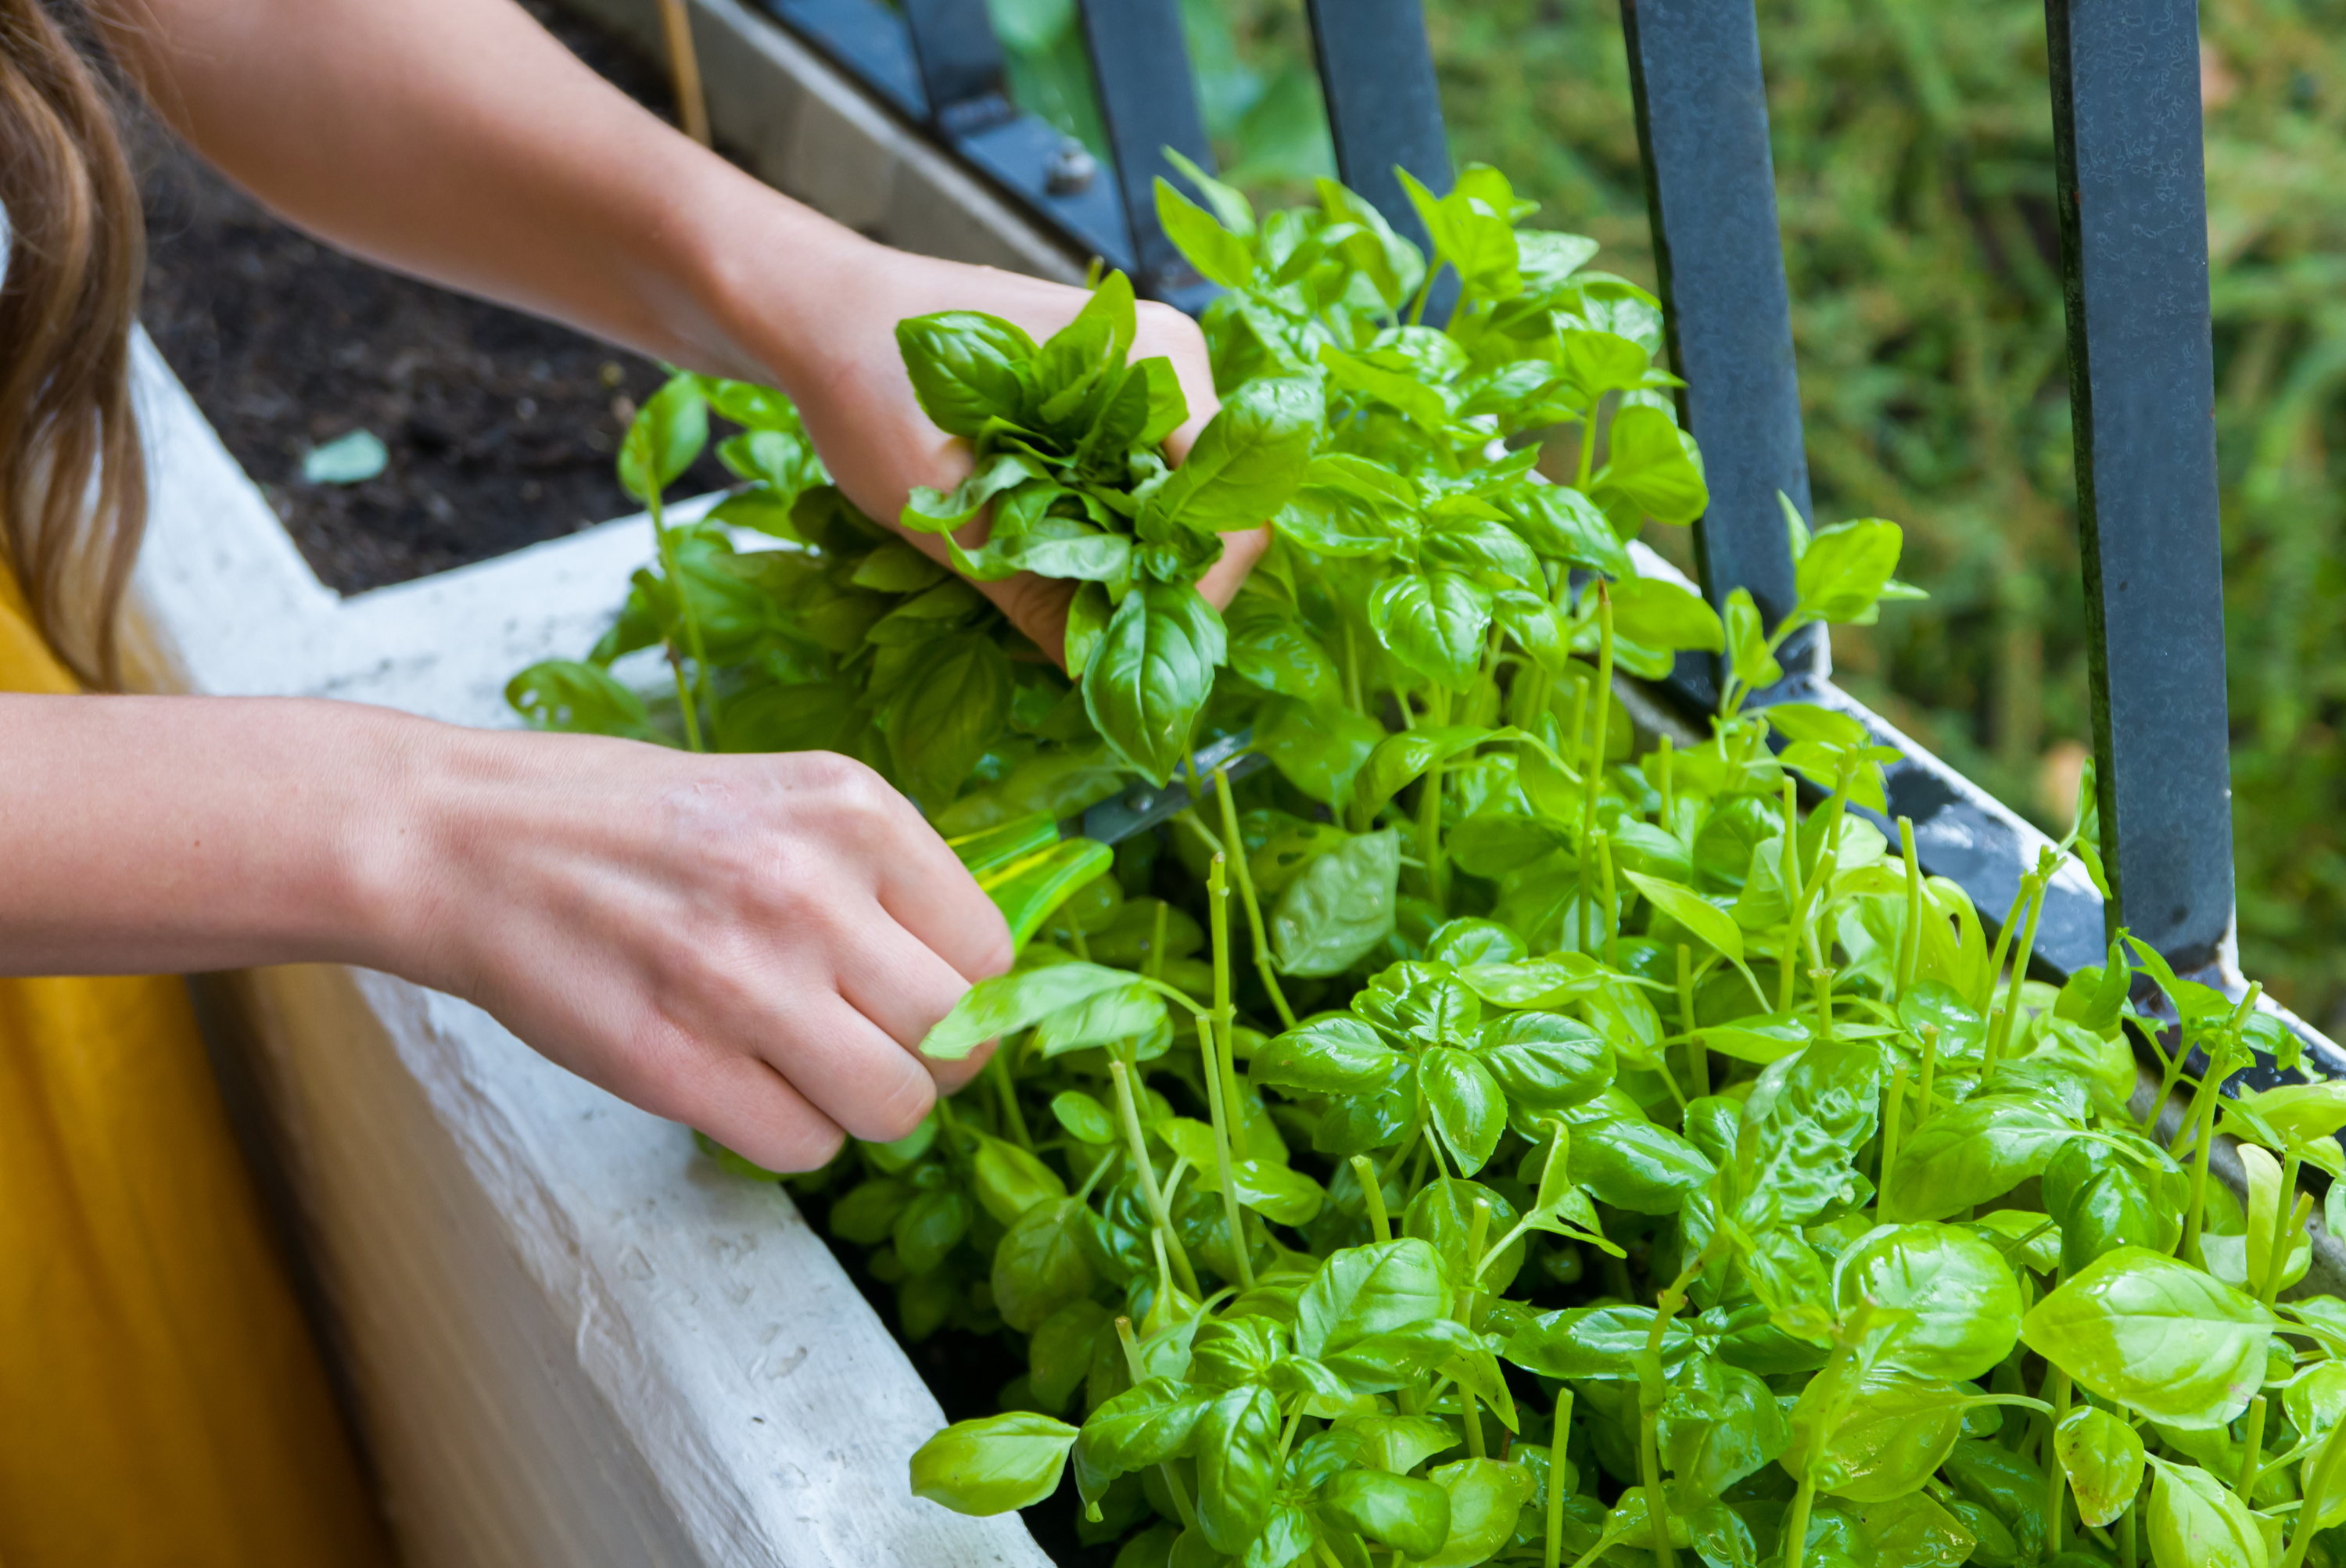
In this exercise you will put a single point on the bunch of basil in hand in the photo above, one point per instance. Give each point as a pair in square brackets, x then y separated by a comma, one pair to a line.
[1067, 438]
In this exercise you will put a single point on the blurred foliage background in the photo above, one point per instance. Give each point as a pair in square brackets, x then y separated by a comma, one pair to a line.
[1913, 146]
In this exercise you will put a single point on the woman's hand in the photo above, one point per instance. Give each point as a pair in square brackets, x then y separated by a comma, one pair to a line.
[754, 946]
[843, 368]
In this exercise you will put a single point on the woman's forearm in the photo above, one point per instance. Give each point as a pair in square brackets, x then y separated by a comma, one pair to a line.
[458, 141]
[141, 834]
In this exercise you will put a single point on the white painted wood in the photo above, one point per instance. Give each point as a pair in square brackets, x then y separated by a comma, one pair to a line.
[803, 127]
[574, 1342]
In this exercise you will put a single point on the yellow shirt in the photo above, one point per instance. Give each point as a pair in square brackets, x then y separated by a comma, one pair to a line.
[161, 1401]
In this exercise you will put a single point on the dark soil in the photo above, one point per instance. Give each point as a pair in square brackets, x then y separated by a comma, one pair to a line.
[502, 429]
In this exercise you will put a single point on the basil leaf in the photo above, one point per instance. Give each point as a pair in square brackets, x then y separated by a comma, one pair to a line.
[1039, 1264]
[581, 698]
[1148, 1423]
[1433, 621]
[1709, 923]
[1482, 549]
[1401, 1511]
[1333, 1054]
[1845, 569]
[947, 714]
[1150, 673]
[1468, 1109]
[1237, 1453]
[1603, 1342]
[1278, 655]
[1009, 1180]
[964, 368]
[1339, 909]
[2103, 1458]
[1421, 403]
[1361, 1291]
[1561, 524]
[2155, 1335]
[1964, 1301]
[1654, 466]
[1891, 1433]
[1718, 1424]
[1247, 461]
[2198, 1521]
[1012, 1002]
[665, 437]
[1976, 1151]
[1544, 1061]
[1487, 1496]
[1661, 614]
[1083, 1117]
[994, 1465]
[1631, 1163]
[1217, 254]
[1318, 748]
[1400, 759]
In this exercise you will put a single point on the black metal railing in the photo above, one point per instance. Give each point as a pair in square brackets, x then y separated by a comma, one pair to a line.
[2133, 212]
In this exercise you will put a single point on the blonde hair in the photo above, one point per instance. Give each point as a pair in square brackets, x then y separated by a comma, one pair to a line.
[73, 476]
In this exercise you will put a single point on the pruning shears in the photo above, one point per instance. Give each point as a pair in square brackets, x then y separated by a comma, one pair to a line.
[1031, 866]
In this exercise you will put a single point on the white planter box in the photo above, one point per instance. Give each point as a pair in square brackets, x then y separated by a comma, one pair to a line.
[572, 1341]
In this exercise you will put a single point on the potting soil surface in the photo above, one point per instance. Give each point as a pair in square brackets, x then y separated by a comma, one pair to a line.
[500, 428]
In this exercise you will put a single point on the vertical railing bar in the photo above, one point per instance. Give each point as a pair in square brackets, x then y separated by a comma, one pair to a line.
[1385, 110]
[865, 39]
[1148, 101]
[960, 64]
[1702, 127]
[2132, 196]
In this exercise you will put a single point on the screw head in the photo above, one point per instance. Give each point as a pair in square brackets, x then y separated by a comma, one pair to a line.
[1070, 171]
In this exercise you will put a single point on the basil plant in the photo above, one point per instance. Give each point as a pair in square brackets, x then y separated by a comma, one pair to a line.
[1477, 1137]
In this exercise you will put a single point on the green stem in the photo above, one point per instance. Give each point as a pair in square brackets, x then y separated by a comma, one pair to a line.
[1373, 1193]
[1893, 1113]
[1236, 845]
[1478, 1230]
[2128, 1557]
[684, 701]
[1790, 872]
[1910, 939]
[1007, 1089]
[1667, 768]
[1214, 1035]
[1821, 979]
[2316, 1494]
[2013, 918]
[2032, 887]
[2252, 1451]
[1795, 1538]
[1697, 1055]
[699, 694]
[2203, 1115]
[1429, 834]
[1552, 1553]
[2292, 1209]
[1587, 444]
[1611, 912]
[1595, 715]
[1172, 1477]
[2056, 1493]
[1150, 1194]
[1651, 1392]
[1929, 1070]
